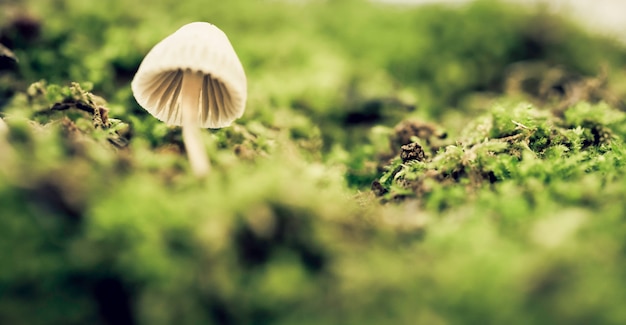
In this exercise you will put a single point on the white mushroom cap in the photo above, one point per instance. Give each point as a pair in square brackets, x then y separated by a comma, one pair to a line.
[199, 48]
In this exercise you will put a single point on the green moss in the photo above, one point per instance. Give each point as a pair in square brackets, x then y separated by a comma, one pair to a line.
[519, 142]
[495, 193]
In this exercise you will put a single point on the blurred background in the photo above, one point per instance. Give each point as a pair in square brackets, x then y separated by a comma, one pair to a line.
[604, 16]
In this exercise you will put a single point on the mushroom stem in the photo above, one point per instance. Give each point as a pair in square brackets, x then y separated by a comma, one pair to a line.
[192, 136]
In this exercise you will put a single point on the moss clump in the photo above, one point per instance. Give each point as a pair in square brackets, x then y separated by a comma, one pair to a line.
[512, 142]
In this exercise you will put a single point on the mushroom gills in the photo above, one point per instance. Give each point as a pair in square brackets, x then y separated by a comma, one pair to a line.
[216, 107]
[169, 108]
[163, 94]
[229, 107]
[154, 88]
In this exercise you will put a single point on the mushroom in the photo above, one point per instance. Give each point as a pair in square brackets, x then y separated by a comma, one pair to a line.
[194, 79]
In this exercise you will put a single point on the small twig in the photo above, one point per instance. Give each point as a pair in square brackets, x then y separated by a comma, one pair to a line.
[511, 137]
[67, 104]
[100, 113]
[520, 125]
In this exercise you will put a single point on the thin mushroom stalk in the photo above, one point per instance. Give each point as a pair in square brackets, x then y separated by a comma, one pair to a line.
[192, 136]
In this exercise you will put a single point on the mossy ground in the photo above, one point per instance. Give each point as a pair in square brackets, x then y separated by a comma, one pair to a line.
[399, 165]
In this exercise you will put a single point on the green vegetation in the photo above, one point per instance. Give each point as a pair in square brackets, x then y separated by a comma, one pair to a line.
[400, 165]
